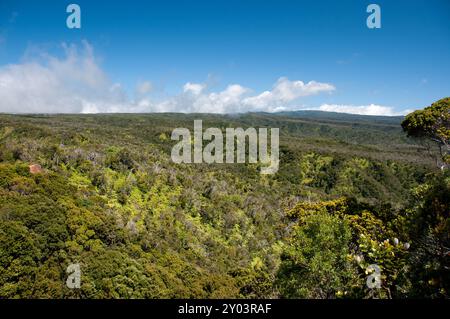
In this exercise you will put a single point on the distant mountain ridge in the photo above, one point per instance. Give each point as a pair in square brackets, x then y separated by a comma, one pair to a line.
[313, 114]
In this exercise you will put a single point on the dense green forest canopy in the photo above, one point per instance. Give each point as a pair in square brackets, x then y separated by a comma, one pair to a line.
[105, 194]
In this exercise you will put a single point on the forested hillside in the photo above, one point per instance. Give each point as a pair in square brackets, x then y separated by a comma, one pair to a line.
[351, 191]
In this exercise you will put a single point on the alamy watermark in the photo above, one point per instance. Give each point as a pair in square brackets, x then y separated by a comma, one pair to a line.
[374, 279]
[73, 21]
[190, 150]
[74, 279]
[374, 19]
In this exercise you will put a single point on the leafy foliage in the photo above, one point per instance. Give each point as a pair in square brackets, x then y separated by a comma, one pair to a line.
[109, 198]
[432, 123]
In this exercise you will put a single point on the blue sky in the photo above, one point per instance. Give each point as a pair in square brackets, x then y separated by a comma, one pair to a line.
[223, 56]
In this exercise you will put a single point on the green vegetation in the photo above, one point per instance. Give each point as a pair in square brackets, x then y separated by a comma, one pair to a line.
[432, 124]
[351, 191]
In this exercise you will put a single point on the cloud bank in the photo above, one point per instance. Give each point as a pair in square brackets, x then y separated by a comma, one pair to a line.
[371, 109]
[75, 83]
[47, 84]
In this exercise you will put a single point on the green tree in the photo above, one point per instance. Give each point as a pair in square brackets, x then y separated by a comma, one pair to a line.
[430, 213]
[430, 232]
[432, 124]
[315, 263]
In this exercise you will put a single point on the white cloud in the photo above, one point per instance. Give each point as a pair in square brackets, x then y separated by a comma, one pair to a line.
[285, 91]
[194, 88]
[72, 84]
[236, 98]
[226, 101]
[192, 100]
[371, 109]
[144, 88]
[75, 83]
